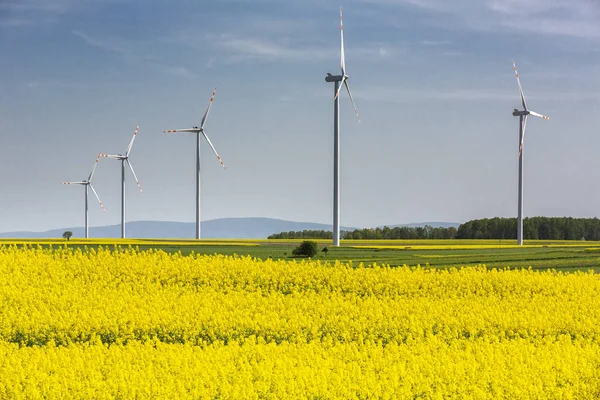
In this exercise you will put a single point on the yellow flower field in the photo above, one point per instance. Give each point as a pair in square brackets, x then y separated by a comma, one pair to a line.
[103, 324]
[128, 242]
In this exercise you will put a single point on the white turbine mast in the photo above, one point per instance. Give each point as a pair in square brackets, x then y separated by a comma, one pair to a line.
[522, 114]
[338, 81]
[88, 184]
[125, 160]
[198, 131]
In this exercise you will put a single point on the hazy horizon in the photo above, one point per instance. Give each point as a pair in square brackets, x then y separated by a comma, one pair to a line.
[345, 227]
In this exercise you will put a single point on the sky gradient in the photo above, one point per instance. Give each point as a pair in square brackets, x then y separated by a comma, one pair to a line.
[432, 80]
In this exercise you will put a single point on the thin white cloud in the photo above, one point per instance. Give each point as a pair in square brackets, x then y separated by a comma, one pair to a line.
[180, 71]
[274, 38]
[211, 62]
[239, 48]
[15, 23]
[402, 95]
[20, 14]
[243, 47]
[52, 6]
[555, 26]
[43, 12]
[122, 48]
[103, 43]
[570, 18]
[453, 53]
[435, 42]
[53, 83]
[55, 6]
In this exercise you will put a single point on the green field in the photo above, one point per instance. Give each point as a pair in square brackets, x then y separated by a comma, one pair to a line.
[560, 255]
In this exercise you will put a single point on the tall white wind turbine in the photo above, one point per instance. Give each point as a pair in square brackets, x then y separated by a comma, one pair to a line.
[198, 131]
[88, 185]
[522, 114]
[125, 160]
[338, 81]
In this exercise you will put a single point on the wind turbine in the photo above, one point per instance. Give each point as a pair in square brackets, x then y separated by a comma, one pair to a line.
[125, 160]
[88, 184]
[198, 131]
[523, 114]
[338, 81]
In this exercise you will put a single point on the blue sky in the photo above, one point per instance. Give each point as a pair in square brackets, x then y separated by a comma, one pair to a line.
[432, 80]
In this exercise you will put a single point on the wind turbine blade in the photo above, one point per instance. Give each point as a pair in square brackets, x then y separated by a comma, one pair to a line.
[343, 60]
[520, 87]
[99, 201]
[213, 147]
[113, 156]
[135, 177]
[538, 115]
[75, 183]
[208, 108]
[94, 169]
[352, 100]
[339, 88]
[187, 130]
[523, 136]
[132, 139]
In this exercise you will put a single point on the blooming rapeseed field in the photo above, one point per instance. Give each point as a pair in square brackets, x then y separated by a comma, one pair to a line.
[107, 324]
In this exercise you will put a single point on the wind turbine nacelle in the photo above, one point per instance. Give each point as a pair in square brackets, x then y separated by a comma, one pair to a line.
[518, 113]
[333, 78]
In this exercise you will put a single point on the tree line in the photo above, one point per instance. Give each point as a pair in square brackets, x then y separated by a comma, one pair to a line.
[305, 234]
[535, 228]
[398, 232]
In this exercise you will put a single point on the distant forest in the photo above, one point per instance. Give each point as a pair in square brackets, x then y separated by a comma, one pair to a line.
[536, 228]
[400, 232]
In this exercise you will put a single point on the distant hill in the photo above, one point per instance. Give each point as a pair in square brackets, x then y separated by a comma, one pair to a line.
[251, 228]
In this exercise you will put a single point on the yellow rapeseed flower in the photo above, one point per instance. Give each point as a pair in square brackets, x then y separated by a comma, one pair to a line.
[127, 324]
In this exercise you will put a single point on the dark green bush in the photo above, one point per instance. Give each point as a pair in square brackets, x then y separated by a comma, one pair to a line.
[306, 249]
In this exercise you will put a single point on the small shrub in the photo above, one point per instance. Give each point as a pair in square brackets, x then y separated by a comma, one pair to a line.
[306, 249]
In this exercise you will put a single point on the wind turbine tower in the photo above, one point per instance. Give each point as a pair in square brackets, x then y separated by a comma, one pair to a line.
[88, 185]
[522, 114]
[338, 81]
[198, 131]
[125, 160]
